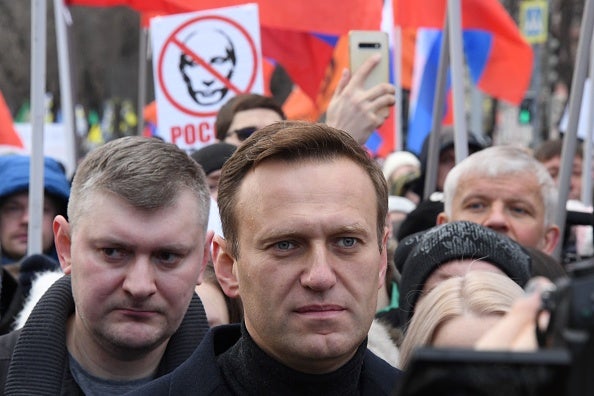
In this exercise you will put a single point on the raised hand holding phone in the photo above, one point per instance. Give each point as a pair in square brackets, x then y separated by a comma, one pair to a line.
[362, 100]
[365, 44]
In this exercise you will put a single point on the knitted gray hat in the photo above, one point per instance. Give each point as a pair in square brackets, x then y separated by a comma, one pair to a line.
[455, 241]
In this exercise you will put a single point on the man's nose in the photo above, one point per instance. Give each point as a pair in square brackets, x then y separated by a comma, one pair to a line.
[496, 218]
[140, 278]
[319, 275]
[24, 214]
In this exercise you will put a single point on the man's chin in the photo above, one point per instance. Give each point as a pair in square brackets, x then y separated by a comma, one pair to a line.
[16, 254]
[134, 349]
[135, 342]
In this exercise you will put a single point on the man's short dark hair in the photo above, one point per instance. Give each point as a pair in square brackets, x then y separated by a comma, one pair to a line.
[552, 148]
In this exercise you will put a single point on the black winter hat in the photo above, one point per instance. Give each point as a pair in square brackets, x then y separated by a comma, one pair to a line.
[421, 218]
[405, 247]
[454, 241]
[214, 156]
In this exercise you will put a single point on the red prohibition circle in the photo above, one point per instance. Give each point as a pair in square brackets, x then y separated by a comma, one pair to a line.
[171, 40]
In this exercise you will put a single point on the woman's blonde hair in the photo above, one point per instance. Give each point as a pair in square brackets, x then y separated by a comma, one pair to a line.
[478, 293]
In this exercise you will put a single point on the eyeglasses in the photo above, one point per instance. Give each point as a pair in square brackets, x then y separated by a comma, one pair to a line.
[244, 133]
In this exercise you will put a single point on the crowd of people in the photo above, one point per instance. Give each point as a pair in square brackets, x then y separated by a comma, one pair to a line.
[282, 259]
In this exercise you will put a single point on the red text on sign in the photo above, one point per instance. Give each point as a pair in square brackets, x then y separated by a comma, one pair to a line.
[191, 134]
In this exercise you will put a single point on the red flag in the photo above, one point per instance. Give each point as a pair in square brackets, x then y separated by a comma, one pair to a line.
[138, 5]
[499, 60]
[8, 135]
[326, 17]
[508, 68]
[299, 35]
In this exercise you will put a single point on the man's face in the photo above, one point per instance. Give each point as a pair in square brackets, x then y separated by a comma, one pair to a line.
[309, 266]
[510, 204]
[133, 271]
[254, 119]
[204, 86]
[14, 223]
[553, 165]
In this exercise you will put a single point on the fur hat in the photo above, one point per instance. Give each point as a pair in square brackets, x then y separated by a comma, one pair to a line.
[400, 204]
[397, 159]
[456, 241]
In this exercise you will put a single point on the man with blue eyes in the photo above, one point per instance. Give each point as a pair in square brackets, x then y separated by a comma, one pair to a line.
[504, 188]
[303, 209]
[133, 249]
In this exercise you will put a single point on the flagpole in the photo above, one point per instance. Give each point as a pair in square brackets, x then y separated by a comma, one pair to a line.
[457, 70]
[142, 72]
[38, 79]
[65, 74]
[575, 101]
[476, 114]
[437, 116]
[586, 194]
[398, 85]
[387, 25]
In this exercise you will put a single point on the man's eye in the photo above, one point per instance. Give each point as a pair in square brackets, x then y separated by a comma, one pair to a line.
[475, 205]
[12, 209]
[347, 242]
[167, 257]
[519, 210]
[284, 245]
[113, 253]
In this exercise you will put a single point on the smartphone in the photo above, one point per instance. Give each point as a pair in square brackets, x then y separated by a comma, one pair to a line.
[362, 45]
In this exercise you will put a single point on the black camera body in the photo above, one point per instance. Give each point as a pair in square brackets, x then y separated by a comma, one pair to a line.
[571, 324]
[561, 366]
[571, 302]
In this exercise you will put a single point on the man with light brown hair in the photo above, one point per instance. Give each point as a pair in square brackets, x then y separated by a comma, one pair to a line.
[133, 249]
[303, 209]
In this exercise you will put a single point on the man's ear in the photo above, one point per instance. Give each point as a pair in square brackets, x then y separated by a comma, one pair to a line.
[442, 218]
[224, 265]
[205, 256]
[63, 243]
[551, 239]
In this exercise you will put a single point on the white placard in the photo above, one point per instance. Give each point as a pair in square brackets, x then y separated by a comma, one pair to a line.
[201, 60]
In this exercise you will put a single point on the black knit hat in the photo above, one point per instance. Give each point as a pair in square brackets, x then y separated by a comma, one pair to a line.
[455, 241]
[405, 247]
[423, 217]
[214, 156]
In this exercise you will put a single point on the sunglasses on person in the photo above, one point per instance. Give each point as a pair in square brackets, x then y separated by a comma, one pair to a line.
[244, 133]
